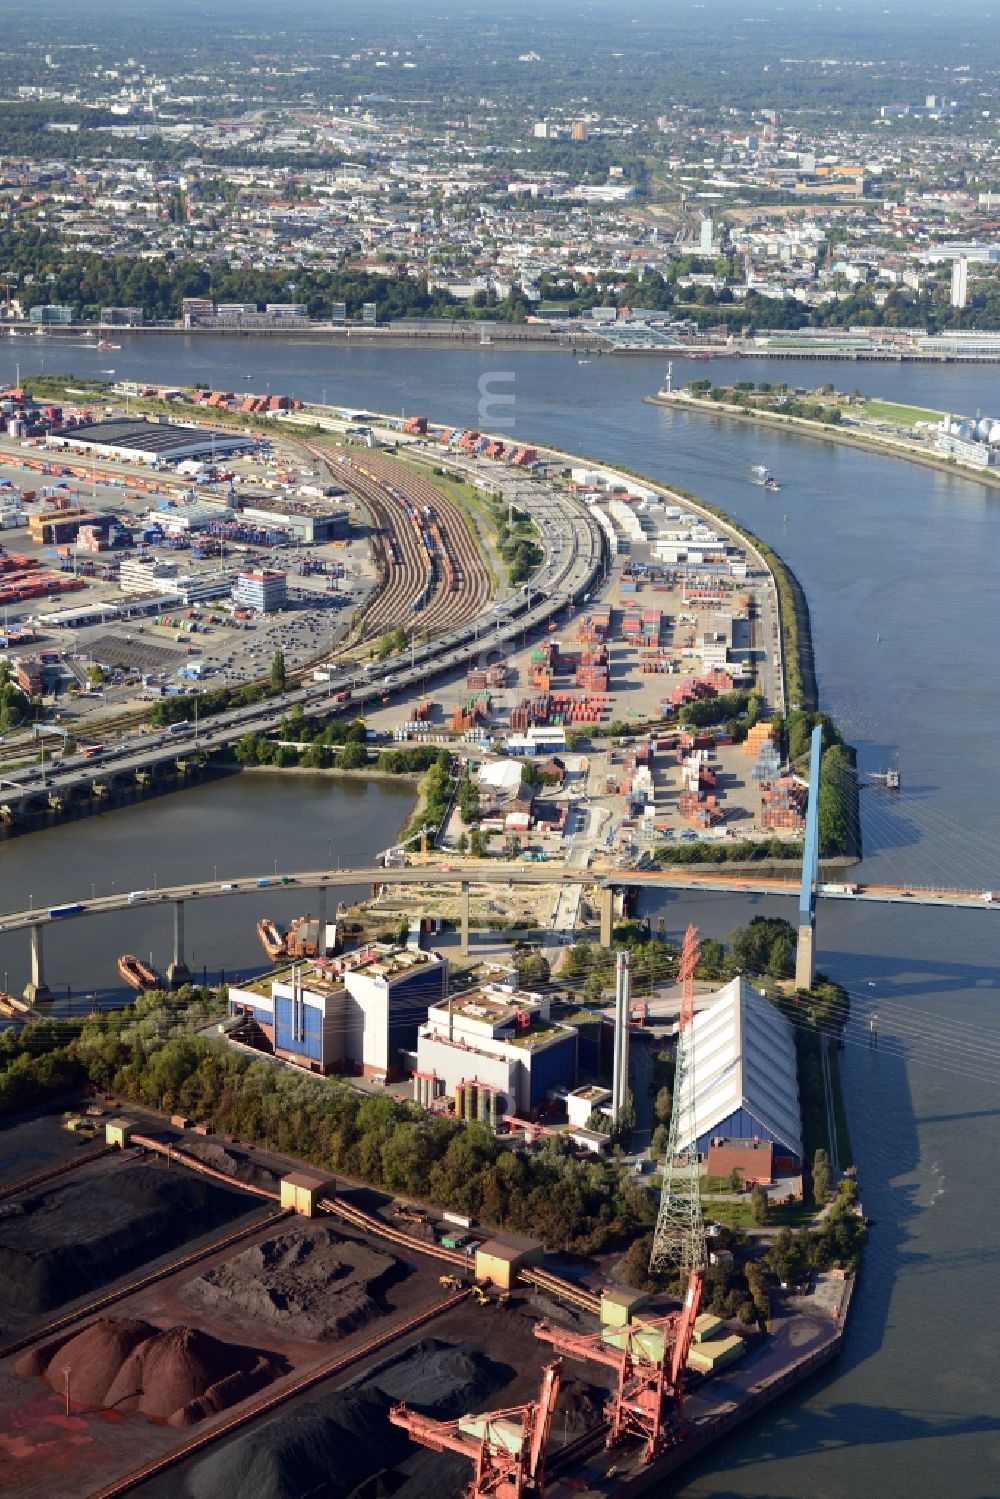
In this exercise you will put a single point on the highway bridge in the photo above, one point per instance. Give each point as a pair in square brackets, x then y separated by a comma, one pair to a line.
[464, 874]
[574, 561]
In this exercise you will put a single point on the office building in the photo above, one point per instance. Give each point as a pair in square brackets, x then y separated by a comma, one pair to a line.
[264, 591]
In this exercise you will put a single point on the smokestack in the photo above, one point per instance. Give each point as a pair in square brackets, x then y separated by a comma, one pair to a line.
[623, 988]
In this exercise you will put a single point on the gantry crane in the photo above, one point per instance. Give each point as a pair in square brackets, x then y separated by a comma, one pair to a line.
[507, 1447]
[649, 1359]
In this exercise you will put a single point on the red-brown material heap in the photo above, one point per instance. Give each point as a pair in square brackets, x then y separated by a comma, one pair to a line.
[178, 1375]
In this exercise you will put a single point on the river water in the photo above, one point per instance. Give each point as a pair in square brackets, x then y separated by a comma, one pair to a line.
[900, 565]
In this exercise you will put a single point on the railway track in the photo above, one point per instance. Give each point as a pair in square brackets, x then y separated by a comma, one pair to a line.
[431, 563]
[81, 1313]
[275, 1399]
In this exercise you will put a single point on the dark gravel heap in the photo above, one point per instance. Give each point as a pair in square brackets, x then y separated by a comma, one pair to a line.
[75, 1236]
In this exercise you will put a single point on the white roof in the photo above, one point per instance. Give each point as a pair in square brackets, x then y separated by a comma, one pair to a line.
[744, 1057]
[502, 775]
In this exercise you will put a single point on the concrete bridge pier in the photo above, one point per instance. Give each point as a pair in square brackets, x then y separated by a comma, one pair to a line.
[463, 944]
[178, 972]
[607, 908]
[36, 990]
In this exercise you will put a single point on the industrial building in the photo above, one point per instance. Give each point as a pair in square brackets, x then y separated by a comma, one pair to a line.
[151, 442]
[308, 521]
[494, 1051]
[357, 1014]
[263, 591]
[746, 1077]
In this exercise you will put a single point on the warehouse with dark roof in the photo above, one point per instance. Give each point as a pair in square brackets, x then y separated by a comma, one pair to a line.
[152, 442]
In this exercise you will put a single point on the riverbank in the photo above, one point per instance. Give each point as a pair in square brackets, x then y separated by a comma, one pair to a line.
[886, 447]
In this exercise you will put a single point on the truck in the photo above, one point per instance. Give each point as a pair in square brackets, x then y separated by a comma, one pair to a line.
[136, 895]
[180, 728]
[72, 909]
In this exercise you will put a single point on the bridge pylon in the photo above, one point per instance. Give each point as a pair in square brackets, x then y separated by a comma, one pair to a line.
[805, 950]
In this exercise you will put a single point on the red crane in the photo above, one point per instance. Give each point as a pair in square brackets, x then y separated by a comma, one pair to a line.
[649, 1359]
[508, 1447]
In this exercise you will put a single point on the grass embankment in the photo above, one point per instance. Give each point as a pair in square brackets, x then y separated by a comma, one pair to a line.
[903, 416]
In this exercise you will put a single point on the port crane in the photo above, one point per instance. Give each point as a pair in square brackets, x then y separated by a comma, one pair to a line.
[507, 1447]
[649, 1359]
[390, 858]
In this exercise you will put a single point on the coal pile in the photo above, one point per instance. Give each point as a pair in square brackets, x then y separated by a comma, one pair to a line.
[177, 1375]
[74, 1237]
[328, 1448]
[234, 1163]
[443, 1380]
[309, 1282]
[337, 1442]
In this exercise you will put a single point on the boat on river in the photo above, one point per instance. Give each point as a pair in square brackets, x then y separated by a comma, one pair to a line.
[137, 974]
[272, 939]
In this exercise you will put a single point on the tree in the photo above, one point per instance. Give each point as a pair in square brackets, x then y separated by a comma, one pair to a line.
[736, 1180]
[353, 756]
[533, 969]
[279, 674]
[821, 1178]
[758, 1204]
[659, 1141]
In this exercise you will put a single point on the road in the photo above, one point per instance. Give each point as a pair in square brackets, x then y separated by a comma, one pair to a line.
[476, 872]
[574, 558]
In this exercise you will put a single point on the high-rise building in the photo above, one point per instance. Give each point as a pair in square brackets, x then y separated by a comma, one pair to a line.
[705, 238]
[579, 131]
[262, 591]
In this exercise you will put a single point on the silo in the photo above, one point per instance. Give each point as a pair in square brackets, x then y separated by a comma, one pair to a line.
[459, 1100]
[469, 1109]
[482, 1104]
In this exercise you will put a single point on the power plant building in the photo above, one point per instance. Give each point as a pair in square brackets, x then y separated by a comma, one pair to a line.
[495, 1051]
[355, 1014]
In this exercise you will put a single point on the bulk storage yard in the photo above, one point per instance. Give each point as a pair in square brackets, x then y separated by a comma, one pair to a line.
[268, 1355]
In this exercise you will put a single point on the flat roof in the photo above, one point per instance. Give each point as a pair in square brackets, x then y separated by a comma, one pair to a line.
[152, 437]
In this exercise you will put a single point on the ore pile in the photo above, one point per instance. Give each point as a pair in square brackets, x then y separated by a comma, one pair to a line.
[307, 1283]
[177, 1375]
[66, 1240]
[443, 1380]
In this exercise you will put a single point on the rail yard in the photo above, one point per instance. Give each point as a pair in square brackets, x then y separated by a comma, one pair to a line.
[428, 558]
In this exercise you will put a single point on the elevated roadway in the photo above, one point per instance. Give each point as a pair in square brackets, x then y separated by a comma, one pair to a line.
[573, 563]
[489, 872]
[463, 874]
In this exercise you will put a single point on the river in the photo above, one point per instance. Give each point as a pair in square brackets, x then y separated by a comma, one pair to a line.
[254, 822]
[900, 565]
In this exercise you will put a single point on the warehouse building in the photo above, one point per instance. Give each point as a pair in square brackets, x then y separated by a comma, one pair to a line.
[311, 522]
[746, 1077]
[151, 442]
[495, 1051]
